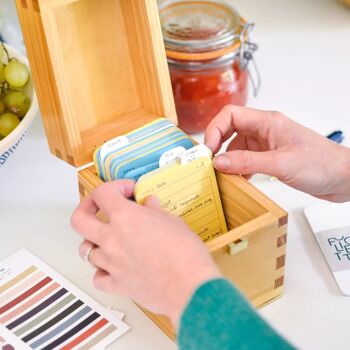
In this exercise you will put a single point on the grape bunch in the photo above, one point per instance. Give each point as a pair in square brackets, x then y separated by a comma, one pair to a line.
[14, 104]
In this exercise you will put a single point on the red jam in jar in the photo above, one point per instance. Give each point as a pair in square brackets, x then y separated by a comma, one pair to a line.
[206, 45]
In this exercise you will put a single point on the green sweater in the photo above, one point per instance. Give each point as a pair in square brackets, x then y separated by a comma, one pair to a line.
[219, 318]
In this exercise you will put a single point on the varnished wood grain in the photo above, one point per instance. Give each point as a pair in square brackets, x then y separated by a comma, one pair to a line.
[257, 271]
[96, 65]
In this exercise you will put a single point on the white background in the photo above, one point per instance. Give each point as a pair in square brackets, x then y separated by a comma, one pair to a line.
[304, 58]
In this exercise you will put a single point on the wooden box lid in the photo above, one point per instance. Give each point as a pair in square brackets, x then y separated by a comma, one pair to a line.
[99, 69]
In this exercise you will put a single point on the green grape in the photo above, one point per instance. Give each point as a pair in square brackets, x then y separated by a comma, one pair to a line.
[16, 74]
[2, 72]
[2, 107]
[17, 103]
[8, 122]
[2, 52]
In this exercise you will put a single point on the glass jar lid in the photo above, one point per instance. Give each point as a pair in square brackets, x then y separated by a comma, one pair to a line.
[195, 26]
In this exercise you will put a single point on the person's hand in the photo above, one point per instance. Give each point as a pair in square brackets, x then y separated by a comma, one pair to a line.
[141, 251]
[272, 144]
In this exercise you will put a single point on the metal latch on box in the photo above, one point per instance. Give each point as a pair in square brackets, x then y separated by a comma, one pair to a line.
[237, 246]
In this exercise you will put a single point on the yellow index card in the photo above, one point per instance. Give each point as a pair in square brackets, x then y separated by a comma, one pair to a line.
[188, 191]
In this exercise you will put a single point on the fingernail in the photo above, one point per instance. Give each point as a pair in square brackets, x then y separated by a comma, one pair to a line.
[152, 201]
[222, 163]
[208, 144]
[213, 140]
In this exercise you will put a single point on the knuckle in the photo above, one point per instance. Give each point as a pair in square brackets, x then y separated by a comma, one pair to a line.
[282, 165]
[119, 214]
[101, 189]
[231, 107]
[97, 282]
[109, 244]
[125, 211]
[99, 259]
[122, 274]
[82, 249]
[275, 115]
[76, 219]
[228, 109]
[97, 231]
[278, 119]
[272, 123]
[246, 162]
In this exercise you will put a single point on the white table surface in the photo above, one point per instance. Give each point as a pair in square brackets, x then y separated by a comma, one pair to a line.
[304, 58]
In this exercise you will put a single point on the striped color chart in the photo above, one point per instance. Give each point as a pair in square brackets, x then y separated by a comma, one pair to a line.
[46, 312]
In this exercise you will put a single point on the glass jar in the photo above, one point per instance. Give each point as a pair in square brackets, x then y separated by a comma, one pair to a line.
[346, 2]
[208, 54]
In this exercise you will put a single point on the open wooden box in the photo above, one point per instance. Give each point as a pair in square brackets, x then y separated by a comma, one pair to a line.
[100, 70]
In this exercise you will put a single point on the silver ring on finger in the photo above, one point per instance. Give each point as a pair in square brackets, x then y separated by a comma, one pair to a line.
[88, 257]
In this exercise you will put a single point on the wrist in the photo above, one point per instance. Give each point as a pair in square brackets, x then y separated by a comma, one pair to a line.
[340, 175]
[190, 283]
[345, 186]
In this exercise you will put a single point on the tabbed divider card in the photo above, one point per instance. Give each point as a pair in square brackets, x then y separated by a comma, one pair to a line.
[134, 154]
[42, 310]
[189, 191]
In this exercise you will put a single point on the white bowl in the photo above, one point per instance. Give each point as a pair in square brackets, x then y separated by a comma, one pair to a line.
[10, 143]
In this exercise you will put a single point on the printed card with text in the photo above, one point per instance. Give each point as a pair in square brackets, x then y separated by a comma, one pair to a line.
[330, 222]
[189, 190]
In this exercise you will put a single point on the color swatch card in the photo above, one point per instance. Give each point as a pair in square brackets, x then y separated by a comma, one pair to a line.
[43, 310]
[138, 152]
[187, 188]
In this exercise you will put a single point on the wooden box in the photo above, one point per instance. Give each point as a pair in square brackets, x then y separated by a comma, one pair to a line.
[100, 70]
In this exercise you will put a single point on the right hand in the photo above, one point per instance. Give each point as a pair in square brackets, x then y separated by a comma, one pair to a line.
[272, 144]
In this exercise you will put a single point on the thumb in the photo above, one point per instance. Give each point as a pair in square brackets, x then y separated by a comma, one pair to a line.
[152, 202]
[244, 162]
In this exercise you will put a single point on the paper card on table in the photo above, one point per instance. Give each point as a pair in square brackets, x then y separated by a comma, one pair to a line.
[8, 341]
[330, 223]
[117, 313]
[43, 310]
[189, 191]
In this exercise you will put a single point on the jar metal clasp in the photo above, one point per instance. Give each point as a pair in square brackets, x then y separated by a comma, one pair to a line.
[246, 54]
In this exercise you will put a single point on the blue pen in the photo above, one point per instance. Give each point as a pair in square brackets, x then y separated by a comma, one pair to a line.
[336, 136]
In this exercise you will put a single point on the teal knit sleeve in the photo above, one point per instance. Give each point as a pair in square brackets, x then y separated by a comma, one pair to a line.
[219, 318]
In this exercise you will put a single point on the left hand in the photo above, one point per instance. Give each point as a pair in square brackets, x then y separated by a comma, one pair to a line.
[141, 251]
[272, 144]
